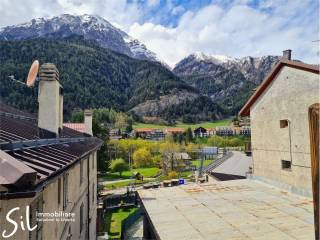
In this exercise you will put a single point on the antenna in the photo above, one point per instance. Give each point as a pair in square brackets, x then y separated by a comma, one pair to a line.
[33, 72]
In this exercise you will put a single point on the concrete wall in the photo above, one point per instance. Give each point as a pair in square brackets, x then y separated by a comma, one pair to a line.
[288, 97]
[77, 194]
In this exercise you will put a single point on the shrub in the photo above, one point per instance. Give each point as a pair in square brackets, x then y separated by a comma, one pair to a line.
[172, 175]
[142, 157]
[119, 165]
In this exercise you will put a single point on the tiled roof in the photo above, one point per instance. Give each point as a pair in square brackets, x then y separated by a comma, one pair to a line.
[175, 130]
[80, 127]
[140, 130]
[47, 161]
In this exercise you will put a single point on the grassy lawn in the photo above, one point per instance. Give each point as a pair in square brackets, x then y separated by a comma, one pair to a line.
[114, 219]
[198, 162]
[146, 172]
[225, 122]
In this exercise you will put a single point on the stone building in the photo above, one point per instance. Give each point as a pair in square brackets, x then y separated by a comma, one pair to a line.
[48, 172]
[278, 113]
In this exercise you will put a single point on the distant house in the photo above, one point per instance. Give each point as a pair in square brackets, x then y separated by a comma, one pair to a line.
[200, 132]
[156, 135]
[279, 125]
[174, 130]
[143, 132]
[211, 131]
[225, 131]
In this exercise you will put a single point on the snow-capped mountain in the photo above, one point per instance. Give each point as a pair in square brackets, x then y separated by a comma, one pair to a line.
[226, 80]
[253, 69]
[91, 27]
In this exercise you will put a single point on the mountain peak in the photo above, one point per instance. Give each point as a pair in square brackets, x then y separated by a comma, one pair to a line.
[91, 27]
[218, 59]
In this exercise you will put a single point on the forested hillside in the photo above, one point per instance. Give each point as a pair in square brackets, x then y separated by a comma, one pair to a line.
[96, 77]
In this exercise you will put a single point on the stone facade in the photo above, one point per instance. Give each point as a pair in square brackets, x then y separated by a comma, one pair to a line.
[80, 193]
[287, 98]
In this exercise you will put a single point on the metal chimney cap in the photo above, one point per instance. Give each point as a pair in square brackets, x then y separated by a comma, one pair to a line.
[88, 112]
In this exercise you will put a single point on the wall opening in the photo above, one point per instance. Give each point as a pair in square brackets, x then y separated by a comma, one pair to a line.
[284, 123]
[286, 164]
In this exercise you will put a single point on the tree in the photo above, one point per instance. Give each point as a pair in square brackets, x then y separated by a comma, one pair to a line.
[142, 157]
[189, 135]
[168, 149]
[121, 121]
[119, 165]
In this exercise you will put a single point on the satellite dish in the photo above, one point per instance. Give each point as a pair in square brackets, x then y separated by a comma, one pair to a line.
[33, 72]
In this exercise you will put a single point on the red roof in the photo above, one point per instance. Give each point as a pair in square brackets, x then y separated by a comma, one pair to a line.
[245, 111]
[142, 130]
[175, 130]
[80, 127]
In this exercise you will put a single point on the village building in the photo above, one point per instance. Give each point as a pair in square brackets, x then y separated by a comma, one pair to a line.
[174, 131]
[200, 132]
[49, 167]
[275, 201]
[279, 125]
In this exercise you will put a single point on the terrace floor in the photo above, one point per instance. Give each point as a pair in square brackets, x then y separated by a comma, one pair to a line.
[239, 209]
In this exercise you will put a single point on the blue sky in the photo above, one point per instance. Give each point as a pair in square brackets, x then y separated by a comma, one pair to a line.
[175, 28]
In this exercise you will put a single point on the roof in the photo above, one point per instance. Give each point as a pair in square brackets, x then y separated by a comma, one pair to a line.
[141, 130]
[245, 111]
[239, 209]
[182, 155]
[45, 160]
[175, 130]
[80, 127]
[238, 164]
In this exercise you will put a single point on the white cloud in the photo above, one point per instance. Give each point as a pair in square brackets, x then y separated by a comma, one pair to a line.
[153, 3]
[223, 27]
[237, 30]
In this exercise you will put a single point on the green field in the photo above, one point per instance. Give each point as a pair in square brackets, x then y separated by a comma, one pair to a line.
[146, 173]
[113, 220]
[225, 122]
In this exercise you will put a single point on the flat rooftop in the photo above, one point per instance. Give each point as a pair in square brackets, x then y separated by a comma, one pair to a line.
[239, 209]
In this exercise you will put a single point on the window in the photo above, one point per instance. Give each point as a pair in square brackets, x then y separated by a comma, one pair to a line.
[65, 190]
[59, 191]
[81, 218]
[81, 171]
[36, 206]
[93, 192]
[93, 160]
[284, 123]
[286, 165]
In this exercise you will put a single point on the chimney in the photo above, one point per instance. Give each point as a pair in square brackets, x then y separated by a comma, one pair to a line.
[50, 98]
[287, 54]
[88, 121]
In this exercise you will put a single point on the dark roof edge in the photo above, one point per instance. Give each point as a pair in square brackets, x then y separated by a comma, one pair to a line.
[245, 110]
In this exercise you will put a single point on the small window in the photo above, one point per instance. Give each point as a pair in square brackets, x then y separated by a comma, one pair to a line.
[65, 190]
[81, 172]
[59, 191]
[284, 123]
[93, 192]
[81, 218]
[286, 165]
[93, 160]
